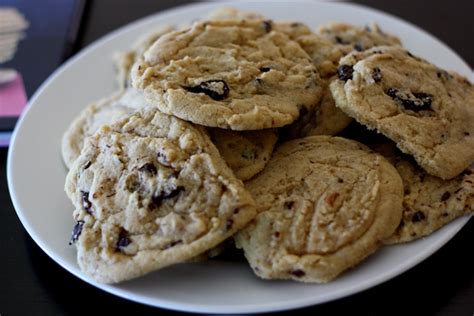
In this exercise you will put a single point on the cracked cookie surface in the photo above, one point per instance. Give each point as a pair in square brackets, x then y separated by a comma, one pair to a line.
[233, 74]
[105, 111]
[149, 191]
[324, 204]
[427, 111]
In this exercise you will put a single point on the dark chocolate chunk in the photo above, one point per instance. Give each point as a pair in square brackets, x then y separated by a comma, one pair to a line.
[298, 273]
[339, 40]
[267, 26]
[445, 196]
[377, 74]
[163, 195]
[229, 223]
[215, 89]
[87, 165]
[416, 101]
[76, 232]
[148, 167]
[418, 216]
[265, 69]
[289, 205]
[123, 241]
[358, 47]
[172, 244]
[344, 72]
[86, 204]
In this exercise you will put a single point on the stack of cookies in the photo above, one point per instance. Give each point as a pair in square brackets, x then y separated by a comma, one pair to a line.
[257, 131]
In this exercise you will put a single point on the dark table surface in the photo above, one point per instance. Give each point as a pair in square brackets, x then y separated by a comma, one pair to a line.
[33, 284]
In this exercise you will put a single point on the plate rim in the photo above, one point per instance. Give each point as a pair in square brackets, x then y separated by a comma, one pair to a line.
[193, 307]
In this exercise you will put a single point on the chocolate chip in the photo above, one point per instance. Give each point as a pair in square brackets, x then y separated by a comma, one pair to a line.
[162, 159]
[87, 165]
[443, 74]
[445, 196]
[344, 72]
[229, 223]
[339, 40]
[86, 204]
[267, 26]
[376, 74]
[298, 273]
[289, 205]
[358, 47]
[215, 89]
[123, 240]
[340, 180]
[416, 101]
[276, 234]
[418, 216]
[148, 167]
[172, 244]
[163, 195]
[236, 210]
[76, 232]
[265, 69]
[466, 134]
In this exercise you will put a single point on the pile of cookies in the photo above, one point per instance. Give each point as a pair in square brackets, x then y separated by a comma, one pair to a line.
[309, 149]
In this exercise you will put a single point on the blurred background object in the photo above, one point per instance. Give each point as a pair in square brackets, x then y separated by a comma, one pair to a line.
[36, 36]
[12, 25]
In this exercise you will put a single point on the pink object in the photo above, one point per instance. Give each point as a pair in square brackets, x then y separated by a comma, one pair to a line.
[12, 97]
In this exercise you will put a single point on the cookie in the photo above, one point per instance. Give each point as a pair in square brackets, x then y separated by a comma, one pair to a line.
[292, 29]
[124, 60]
[150, 191]
[333, 41]
[232, 74]
[324, 203]
[349, 37]
[246, 153]
[110, 109]
[324, 119]
[429, 202]
[427, 111]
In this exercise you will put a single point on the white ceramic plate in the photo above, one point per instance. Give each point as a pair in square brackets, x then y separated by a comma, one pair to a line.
[36, 175]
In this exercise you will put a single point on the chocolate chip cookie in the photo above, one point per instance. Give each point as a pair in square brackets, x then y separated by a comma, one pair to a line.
[324, 203]
[149, 191]
[429, 202]
[427, 111]
[124, 60]
[233, 74]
